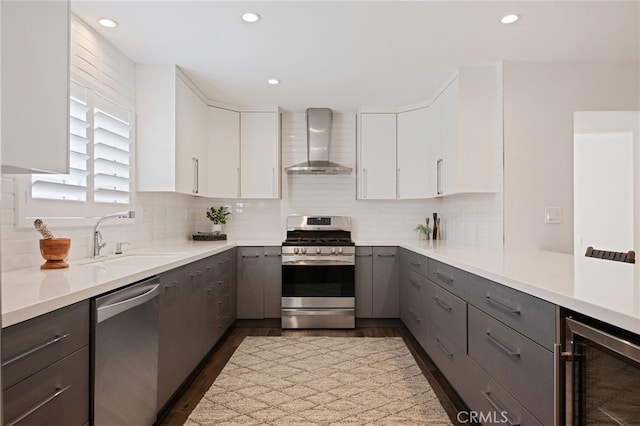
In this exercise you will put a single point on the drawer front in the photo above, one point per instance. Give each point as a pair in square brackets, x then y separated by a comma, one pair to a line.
[417, 263]
[524, 368]
[417, 296]
[58, 395]
[450, 278]
[488, 399]
[448, 312]
[30, 346]
[450, 359]
[533, 317]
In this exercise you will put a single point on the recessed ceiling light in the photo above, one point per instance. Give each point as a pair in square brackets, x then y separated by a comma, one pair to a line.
[107, 23]
[250, 17]
[509, 19]
[273, 81]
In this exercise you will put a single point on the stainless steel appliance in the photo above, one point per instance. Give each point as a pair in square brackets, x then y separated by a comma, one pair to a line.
[318, 273]
[125, 370]
[602, 374]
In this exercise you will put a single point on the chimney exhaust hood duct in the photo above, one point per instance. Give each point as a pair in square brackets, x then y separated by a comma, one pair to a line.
[319, 121]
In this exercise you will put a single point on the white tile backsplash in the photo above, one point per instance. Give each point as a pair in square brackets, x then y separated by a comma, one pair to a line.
[467, 218]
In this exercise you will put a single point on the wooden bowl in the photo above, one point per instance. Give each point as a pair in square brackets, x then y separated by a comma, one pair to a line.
[55, 251]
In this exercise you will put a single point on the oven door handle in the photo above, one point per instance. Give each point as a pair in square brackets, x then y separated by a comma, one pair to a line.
[317, 311]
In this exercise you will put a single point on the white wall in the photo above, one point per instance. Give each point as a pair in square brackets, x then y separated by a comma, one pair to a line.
[539, 101]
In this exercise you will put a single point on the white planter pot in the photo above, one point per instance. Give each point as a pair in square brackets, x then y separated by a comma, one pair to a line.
[216, 229]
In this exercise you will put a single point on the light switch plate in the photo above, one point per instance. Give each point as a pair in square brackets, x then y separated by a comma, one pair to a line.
[553, 215]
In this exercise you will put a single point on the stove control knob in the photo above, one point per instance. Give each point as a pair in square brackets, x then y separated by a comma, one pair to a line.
[303, 250]
[318, 251]
[340, 250]
[333, 251]
[296, 250]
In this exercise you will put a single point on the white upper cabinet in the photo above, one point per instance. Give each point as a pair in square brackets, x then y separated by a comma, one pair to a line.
[413, 153]
[434, 147]
[172, 131]
[35, 86]
[260, 155]
[470, 131]
[224, 153]
[377, 156]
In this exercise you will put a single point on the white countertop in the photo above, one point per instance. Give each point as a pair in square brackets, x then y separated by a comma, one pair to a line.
[608, 291]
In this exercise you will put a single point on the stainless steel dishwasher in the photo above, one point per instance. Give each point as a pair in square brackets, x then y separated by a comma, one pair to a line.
[125, 361]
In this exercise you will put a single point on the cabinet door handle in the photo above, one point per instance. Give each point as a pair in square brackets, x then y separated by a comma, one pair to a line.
[439, 176]
[31, 351]
[442, 304]
[414, 283]
[196, 172]
[272, 255]
[502, 305]
[210, 289]
[195, 274]
[497, 407]
[445, 278]
[363, 255]
[273, 181]
[59, 391]
[250, 255]
[444, 350]
[239, 181]
[414, 316]
[171, 284]
[414, 263]
[364, 183]
[221, 262]
[386, 255]
[506, 349]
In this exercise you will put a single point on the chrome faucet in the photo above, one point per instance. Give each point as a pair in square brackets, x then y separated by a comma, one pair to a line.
[98, 242]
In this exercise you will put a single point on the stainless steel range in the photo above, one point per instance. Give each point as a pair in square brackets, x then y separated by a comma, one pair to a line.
[318, 273]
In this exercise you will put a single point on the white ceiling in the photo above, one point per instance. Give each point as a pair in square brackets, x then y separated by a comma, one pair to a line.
[350, 54]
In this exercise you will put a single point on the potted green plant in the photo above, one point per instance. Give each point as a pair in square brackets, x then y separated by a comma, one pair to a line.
[218, 217]
[424, 231]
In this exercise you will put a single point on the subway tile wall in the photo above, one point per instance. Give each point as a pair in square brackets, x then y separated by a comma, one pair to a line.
[474, 219]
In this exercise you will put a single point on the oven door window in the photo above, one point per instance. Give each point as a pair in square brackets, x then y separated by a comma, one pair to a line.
[606, 386]
[318, 281]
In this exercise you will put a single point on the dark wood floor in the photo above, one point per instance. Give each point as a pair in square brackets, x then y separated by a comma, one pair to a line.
[178, 412]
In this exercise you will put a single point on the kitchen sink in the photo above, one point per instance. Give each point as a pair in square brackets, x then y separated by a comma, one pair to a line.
[133, 259]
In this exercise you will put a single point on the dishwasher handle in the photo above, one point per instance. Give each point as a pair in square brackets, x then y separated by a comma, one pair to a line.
[105, 312]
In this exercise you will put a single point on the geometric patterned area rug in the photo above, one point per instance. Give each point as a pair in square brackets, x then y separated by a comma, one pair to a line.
[281, 380]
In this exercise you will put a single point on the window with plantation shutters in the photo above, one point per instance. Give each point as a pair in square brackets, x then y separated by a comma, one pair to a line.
[99, 180]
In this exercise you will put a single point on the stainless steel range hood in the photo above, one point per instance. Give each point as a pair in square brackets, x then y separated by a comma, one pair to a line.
[319, 121]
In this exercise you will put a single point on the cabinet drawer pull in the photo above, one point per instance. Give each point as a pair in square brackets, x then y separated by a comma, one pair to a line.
[414, 283]
[363, 255]
[386, 255]
[443, 277]
[31, 351]
[250, 255]
[171, 284]
[442, 304]
[414, 316]
[195, 274]
[221, 262]
[443, 348]
[497, 407]
[272, 255]
[415, 263]
[506, 349]
[502, 305]
[21, 417]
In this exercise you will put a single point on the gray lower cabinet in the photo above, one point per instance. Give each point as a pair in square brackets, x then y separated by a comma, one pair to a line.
[364, 282]
[386, 283]
[195, 311]
[259, 282]
[45, 368]
[492, 343]
[272, 282]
